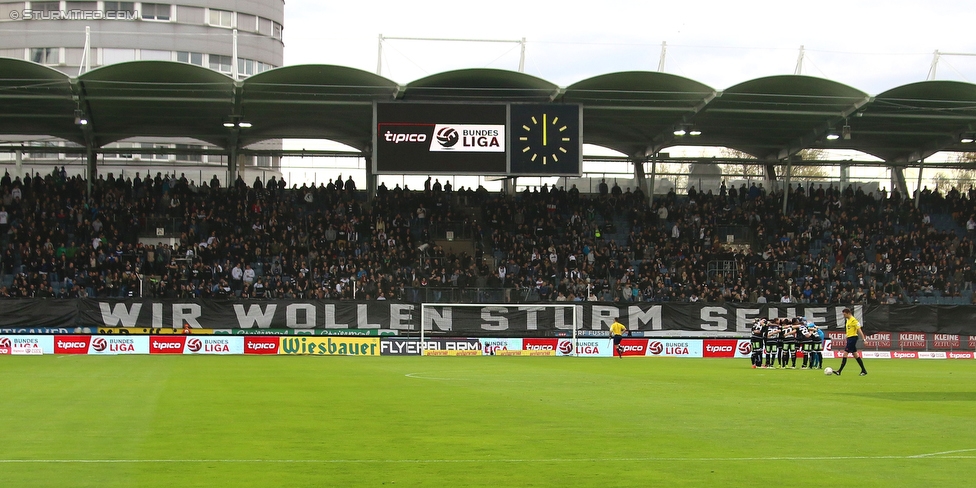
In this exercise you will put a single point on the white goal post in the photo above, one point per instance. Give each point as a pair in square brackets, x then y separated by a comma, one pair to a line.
[566, 316]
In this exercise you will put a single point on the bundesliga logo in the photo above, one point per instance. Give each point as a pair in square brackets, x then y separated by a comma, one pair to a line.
[447, 137]
[99, 344]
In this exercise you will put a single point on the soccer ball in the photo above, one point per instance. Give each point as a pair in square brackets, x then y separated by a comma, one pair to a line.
[828, 371]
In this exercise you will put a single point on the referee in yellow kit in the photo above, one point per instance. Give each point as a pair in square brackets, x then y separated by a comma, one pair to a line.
[617, 333]
[853, 328]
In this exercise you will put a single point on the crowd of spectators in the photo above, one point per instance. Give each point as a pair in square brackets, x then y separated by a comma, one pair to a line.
[266, 240]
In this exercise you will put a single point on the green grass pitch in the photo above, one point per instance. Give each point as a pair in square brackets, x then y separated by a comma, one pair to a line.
[481, 421]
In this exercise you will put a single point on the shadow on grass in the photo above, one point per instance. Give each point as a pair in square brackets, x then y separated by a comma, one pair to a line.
[921, 396]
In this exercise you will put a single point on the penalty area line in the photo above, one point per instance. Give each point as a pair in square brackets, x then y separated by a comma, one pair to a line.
[449, 461]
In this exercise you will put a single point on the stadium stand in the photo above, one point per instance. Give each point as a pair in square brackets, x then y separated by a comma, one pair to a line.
[265, 240]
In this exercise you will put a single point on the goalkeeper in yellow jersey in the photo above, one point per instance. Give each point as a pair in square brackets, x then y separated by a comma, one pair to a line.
[617, 334]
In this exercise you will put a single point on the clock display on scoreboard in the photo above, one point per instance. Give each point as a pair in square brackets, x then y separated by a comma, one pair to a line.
[546, 139]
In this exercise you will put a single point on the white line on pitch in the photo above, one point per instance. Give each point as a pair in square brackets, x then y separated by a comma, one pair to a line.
[445, 461]
[941, 453]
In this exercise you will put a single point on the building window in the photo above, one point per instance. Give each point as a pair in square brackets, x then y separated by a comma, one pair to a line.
[221, 18]
[87, 6]
[196, 158]
[192, 58]
[122, 155]
[119, 7]
[152, 55]
[220, 63]
[245, 66]
[44, 55]
[45, 7]
[156, 155]
[112, 55]
[43, 155]
[277, 31]
[155, 11]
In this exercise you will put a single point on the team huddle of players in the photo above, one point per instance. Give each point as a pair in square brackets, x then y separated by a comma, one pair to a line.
[780, 339]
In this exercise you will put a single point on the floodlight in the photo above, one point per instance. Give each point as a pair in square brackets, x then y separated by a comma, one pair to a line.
[680, 132]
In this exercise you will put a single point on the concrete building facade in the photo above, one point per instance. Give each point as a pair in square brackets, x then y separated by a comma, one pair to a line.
[199, 32]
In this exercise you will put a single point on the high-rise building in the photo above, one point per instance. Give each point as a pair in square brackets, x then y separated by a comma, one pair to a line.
[205, 33]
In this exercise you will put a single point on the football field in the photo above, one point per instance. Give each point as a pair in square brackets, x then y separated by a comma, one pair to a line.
[481, 421]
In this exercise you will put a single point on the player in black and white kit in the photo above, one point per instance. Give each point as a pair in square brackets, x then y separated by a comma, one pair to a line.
[806, 344]
[773, 343]
[756, 340]
[818, 343]
[789, 344]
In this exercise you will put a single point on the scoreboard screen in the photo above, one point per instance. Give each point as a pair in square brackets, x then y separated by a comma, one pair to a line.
[442, 138]
[477, 139]
[547, 140]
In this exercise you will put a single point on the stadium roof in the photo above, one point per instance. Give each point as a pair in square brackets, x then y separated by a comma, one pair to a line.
[636, 113]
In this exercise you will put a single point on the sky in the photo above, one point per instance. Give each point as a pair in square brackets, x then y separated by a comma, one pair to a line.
[870, 45]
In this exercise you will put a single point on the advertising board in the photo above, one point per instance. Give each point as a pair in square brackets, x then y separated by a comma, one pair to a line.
[28, 344]
[330, 346]
[946, 341]
[400, 347]
[489, 347]
[166, 344]
[260, 345]
[585, 348]
[432, 138]
[64, 344]
[911, 340]
[727, 348]
[214, 345]
[112, 345]
[540, 344]
[675, 348]
[876, 354]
